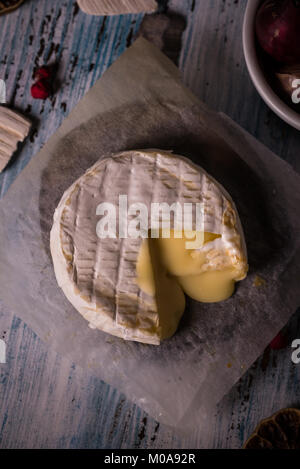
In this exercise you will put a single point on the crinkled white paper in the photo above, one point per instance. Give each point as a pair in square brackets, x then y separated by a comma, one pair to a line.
[140, 103]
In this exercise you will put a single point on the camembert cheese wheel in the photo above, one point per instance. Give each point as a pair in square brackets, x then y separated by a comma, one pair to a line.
[126, 270]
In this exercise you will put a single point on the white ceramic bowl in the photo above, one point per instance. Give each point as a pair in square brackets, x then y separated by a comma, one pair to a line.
[256, 73]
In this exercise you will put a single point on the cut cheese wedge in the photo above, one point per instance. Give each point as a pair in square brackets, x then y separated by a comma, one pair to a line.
[132, 286]
[186, 267]
[13, 129]
[116, 7]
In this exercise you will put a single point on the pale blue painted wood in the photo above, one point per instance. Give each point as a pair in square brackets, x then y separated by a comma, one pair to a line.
[45, 401]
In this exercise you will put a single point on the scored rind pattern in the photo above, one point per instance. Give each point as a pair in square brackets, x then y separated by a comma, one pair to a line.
[117, 7]
[98, 276]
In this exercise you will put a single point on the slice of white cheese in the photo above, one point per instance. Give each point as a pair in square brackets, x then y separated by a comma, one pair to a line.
[13, 129]
[132, 287]
[116, 7]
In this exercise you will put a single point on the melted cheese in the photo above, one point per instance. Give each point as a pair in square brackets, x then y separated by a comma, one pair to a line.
[184, 267]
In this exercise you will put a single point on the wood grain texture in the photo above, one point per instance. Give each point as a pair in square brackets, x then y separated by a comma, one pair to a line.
[46, 401]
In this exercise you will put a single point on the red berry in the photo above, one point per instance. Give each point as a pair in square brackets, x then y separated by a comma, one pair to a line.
[42, 72]
[279, 342]
[40, 89]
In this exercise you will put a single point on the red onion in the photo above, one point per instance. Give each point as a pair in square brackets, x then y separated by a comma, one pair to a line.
[279, 342]
[278, 29]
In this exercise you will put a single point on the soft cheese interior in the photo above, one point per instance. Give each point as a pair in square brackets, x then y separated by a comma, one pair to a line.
[186, 266]
[131, 287]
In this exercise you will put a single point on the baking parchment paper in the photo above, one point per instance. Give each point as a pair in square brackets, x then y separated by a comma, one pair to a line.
[140, 103]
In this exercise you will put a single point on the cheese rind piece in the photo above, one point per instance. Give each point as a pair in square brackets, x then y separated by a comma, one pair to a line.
[99, 276]
[13, 129]
[116, 7]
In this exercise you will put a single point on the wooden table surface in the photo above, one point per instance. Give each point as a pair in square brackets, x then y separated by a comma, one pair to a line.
[46, 401]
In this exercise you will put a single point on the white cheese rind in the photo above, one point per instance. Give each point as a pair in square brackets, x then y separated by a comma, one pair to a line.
[116, 7]
[98, 276]
[13, 129]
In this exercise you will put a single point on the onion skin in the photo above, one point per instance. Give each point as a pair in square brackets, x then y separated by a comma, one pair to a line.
[278, 30]
[288, 82]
